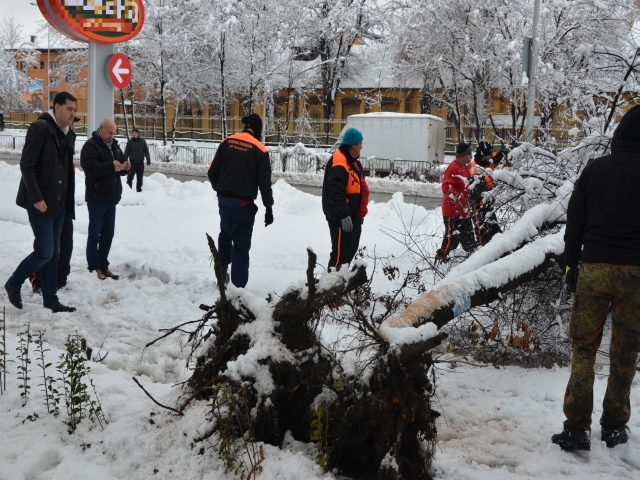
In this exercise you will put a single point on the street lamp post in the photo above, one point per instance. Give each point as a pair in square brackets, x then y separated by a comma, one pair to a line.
[533, 73]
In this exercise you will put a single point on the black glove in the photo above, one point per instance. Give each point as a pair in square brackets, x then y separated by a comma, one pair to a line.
[571, 278]
[347, 225]
[268, 217]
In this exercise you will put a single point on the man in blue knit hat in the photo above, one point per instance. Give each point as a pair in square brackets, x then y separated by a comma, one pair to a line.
[345, 196]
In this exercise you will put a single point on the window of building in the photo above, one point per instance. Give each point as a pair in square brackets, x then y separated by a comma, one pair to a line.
[52, 95]
[71, 74]
[53, 67]
[24, 66]
[54, 81]
[350, 108]
[41, 65]
[389, 107]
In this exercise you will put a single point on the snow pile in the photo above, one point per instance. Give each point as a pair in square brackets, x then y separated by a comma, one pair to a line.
[496, 423]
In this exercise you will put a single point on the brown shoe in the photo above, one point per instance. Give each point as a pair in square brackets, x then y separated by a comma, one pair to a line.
[109, 274]
[101, 276]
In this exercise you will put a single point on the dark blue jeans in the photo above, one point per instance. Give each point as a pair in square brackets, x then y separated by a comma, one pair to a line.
[102, 225]
[234, 241]
[46, 250]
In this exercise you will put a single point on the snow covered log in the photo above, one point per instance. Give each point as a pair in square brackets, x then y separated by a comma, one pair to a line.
[511, 259]
[375, 426]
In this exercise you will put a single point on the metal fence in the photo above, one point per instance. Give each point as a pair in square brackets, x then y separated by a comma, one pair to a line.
[313, 132]
[281, 161]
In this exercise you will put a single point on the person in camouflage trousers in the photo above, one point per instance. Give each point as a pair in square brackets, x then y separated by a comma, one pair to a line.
[603, 234]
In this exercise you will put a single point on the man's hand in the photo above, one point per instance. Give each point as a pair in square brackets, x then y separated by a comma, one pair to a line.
[571, 278]
[41, 205]
[268, 217]
[117, 166]
[347, 225]
[126, 165]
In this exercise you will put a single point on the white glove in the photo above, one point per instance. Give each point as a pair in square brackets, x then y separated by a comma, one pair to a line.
[347, 225]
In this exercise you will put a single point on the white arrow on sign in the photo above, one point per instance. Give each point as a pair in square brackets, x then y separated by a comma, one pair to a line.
[117, 70]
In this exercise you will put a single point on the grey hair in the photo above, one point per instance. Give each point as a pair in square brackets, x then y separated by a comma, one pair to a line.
[104, 123]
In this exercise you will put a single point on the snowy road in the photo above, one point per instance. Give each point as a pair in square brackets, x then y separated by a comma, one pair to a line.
[496, 423]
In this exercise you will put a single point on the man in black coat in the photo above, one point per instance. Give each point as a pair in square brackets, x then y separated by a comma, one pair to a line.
[46, 191]
[602, 242]
[239, 168]
[103, 163]
[136, 152]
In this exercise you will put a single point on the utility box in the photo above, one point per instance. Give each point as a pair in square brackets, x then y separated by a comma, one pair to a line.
[399, 136]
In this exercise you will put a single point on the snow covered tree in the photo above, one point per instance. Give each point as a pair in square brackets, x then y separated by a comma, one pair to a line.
[12, 51]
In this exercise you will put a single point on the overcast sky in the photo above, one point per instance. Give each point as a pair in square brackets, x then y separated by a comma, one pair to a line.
[25, 13]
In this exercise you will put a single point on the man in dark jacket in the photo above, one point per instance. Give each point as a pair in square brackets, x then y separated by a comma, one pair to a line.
[239, 168]
[66, 236]
[136, 151]
[603, 234]
[345, 197]
[103, 163]
[46, 191]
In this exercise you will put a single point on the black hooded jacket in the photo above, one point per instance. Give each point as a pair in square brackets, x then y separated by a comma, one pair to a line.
[603, 225]
[341, 188]
[102, 182]
[47, 169]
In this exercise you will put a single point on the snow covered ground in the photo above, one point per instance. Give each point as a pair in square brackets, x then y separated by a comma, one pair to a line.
[496, 423]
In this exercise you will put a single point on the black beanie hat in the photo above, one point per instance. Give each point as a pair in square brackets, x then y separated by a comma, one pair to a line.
[484, 148]
[462, 149]
[254, 122]
[135, 130]
[628, 128]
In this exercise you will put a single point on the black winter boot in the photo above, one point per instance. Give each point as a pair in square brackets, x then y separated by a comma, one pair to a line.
[14, 295]
[574, 439]
[615, 436]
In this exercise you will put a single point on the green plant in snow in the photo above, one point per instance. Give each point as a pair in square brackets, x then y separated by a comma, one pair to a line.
[25, 361]
[74, 375]
[318, 434]
[3, 352]
[51, 394]
[232, 438]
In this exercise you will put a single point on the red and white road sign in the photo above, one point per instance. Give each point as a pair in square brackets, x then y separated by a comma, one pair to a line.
[117, 70]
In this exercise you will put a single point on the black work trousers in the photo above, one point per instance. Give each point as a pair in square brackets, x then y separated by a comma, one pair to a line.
[344, 246]
[137, 169]
[458, 231]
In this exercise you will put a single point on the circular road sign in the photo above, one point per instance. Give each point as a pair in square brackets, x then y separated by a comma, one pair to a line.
[99, 21]
[117, 70]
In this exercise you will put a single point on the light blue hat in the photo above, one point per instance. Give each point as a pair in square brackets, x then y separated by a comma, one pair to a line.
[352, 136]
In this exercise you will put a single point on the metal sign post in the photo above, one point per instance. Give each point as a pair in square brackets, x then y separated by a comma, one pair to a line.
[100, 27]
[100, 98]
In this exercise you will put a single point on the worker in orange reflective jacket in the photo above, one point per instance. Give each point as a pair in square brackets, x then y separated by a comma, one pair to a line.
[240, 167]
[484, 218]
[345, 197]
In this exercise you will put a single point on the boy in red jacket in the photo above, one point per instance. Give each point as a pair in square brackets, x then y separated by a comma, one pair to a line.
[455, 205]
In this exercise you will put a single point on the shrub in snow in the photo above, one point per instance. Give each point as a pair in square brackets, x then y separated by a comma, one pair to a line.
[362, 398]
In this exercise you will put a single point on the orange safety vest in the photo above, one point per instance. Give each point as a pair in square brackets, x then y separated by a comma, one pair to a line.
[353, 186]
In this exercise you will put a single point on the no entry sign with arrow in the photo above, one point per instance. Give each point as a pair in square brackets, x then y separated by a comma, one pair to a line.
[117, 70]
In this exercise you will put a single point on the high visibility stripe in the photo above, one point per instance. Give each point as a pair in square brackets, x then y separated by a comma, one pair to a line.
[339, 247]
[446, 248]
[248, 138]
[475, 211]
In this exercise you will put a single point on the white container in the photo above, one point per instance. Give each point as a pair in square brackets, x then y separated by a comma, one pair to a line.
[399, 136]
